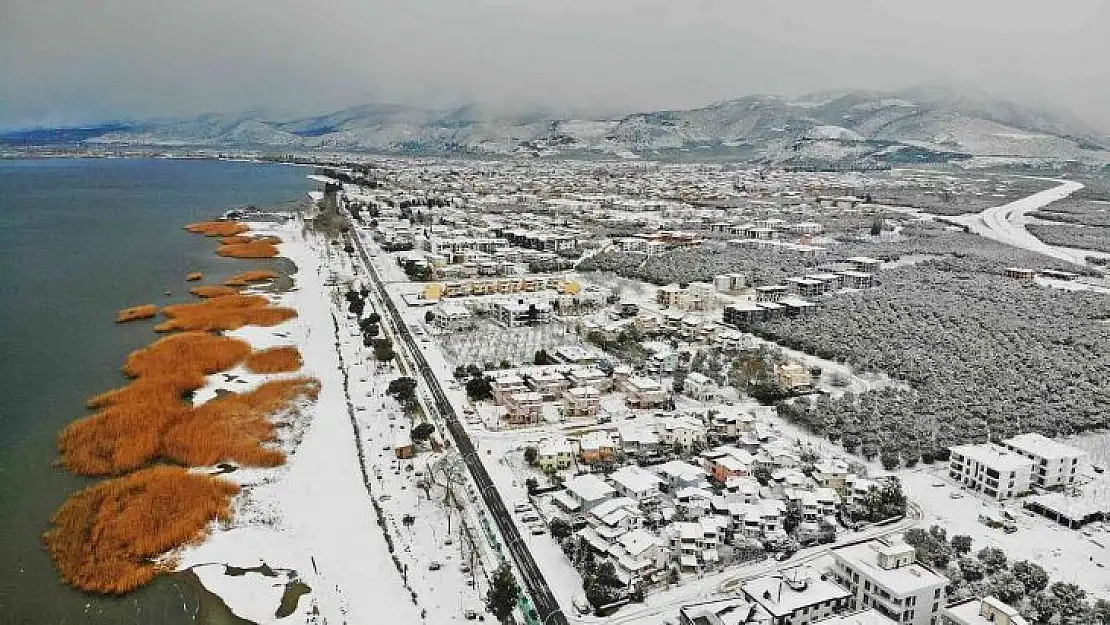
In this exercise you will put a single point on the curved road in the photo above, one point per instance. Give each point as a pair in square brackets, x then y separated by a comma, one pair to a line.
[1006, 223]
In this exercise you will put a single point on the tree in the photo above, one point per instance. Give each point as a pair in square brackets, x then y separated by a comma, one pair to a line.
[422, 432]
[383, 350]
[1007, 588]
[961, 544]
[429, 316]
[403, 390]
[1072, 601]
[993, 558]
[530, 455]
[1031, 575]
[371, 330]
[543, 358]
[374, 318]
[356, 306]
[1100, 612]
[532, 484]
[792, 519]
[479, 388]
[503, 592]
[972, 570]
[560, 529]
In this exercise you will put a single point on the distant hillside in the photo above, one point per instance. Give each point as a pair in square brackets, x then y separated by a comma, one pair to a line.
[852, 128]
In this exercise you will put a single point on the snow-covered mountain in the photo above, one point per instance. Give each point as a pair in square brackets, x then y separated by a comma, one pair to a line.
[923, 124]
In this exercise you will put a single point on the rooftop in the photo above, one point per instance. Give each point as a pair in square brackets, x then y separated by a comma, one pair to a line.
[1042, 446]
[994, 456]
[900, 581]
[589, 487]
[792, 590]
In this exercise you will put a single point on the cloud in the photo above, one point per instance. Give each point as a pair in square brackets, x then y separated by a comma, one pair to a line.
[74, 61]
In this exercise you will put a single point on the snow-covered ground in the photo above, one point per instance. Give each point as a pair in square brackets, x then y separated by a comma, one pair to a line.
[312, 519]
[1006, 223]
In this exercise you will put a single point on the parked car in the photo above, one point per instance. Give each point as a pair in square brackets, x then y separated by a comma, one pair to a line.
[434, 565]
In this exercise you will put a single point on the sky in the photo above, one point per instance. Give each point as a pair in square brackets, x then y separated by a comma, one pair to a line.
[75, 61]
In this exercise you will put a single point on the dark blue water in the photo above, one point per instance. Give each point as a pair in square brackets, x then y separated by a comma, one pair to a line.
[80, 239]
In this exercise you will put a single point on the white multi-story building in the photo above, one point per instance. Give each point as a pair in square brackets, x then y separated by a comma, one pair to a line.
[636, 483]
[882, 574]
[1054, 464]
[522, 311]
[990, 469]
[582, 401]
[700, 387]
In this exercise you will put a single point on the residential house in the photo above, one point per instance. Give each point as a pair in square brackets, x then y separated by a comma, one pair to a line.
[694, 544]
[678, 474]
[637, 439]
[584, 492]
[831, 473]
[582, 401]
[700, 387]
[554, 454]
[644, 393]
[637, 555]
[523, 408]
[549, 382]
[590, 376]
[793, 376]
[505, 385]
[680, 431]
[730, 611]
[596, 446]
[797, 596]
[522, 311]
[636, 483]
[985, 611]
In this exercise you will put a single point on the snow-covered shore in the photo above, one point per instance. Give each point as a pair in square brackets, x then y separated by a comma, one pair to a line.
[311, 519]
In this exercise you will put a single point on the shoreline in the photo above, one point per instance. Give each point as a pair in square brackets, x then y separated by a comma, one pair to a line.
[311, 517]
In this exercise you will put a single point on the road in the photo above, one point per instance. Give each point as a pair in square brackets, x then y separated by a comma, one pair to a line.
[547, 608]
[1006, 223]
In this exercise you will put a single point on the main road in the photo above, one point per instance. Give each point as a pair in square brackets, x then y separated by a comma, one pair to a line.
[547, 607]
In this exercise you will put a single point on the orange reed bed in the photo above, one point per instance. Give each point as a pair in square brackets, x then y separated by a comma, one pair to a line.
[254, 275]
[224, 313]
[234, 427]
[217, 228]
[274, 360]
[125, 432]
[194, 276]
[112, 537]
[255, 249]
[146, 311]
[210, 291]
[239, 238]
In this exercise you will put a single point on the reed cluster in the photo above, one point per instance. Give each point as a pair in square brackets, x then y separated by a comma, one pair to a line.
[281, 359]
[217, 228]
[109, 538]
[146, 311]
[258, 248]
[210, 291]
[247, 277]
[229, 312]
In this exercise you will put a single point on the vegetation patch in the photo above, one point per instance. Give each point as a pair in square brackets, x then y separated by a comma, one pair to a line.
[146, 311]
[275, 360]
[260, 248]
[239, 238]
[194, 276]
[209, 291]
[217, 228]
[224, 313]
[125, 433]
[247, 277]
[111, 537]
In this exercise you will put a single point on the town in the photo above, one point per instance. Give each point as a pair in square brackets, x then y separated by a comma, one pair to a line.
[626, 403]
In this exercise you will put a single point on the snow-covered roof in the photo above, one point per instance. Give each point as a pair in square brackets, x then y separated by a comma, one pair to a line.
[1042, 447]
[993, 456]
[901, 581]
[589, 487]
[678, 469]
[636, 479]
[791, 590]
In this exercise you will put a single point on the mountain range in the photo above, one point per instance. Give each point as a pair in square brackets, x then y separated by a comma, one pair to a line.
[850, 128]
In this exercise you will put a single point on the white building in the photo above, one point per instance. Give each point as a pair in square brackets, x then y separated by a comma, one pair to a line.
[451, 316]
[990, 469]
[636, 483]
[883, 575]
[1054, 464]
[522, 311]
[700, 387]
[985, 611]
[797, 596]
[584, 492]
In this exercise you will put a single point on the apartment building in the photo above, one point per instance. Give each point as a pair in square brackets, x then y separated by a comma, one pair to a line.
[1054, 464]
[882, 574]
[554, 454]
[698, 386]
[644, 393]
[505, 385]
[522, 311]
[991, 469]
[524, 408]
[582, 401]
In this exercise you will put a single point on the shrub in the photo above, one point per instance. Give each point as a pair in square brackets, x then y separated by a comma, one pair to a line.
[275, 360]
[146, 311]
[110, 538]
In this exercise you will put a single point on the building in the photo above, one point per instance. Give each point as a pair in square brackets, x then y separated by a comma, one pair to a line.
[863, 617]
[700, 387]
[504, 385]
[882, 574]
[522, 311]
[402, 446]
[865, 264]
[797, 596]
[857, 279]
[1022, 274]
[694, 543]
[636, 483]
[771, 293]
[644, 393]
[1054, 464]
[582, 401]
[985, 611]
[583, 493]
[554, 454]
[793, 375]
[452, 317]
[832, 473]
[523, 408]
[991, 469]
[637, 555]
[597, 446]
[723, 612]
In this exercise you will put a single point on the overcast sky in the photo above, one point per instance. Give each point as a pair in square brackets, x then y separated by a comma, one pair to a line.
[75, 61]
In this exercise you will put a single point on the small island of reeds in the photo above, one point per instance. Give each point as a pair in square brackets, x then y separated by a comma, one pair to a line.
[146, 311]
